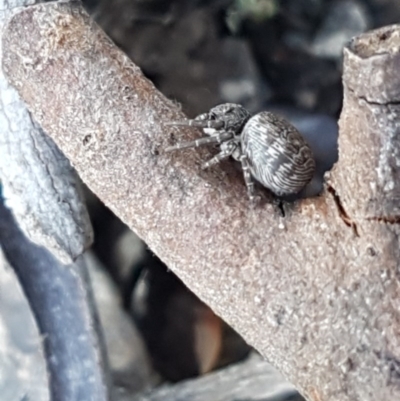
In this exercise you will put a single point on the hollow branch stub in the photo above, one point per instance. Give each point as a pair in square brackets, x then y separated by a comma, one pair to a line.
[369, 169]
[318, 300]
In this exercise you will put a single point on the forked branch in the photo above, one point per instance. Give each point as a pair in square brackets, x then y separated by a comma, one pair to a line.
[318, 300]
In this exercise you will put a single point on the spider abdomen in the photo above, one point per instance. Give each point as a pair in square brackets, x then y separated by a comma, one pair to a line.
[268, 147]
[279, 157]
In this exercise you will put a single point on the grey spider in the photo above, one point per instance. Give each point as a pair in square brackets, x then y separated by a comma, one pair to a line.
[268, 147]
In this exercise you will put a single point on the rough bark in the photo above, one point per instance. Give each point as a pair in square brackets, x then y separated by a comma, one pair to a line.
[39, 183]
[316, 291]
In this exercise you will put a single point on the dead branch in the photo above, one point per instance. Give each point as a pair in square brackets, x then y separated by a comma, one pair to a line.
[38, 181]
[316, 291]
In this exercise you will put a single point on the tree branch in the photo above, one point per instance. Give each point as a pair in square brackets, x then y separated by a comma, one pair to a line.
[316, 291]
[39, 182]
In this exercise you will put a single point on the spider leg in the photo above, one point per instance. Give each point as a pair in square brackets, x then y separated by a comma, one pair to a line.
[197, 123]
[248, 178]
[225, 153]
[206, 140]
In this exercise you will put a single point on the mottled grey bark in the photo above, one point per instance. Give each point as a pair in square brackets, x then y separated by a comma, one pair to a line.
[316, 291]
[44, 193]
[38, 181]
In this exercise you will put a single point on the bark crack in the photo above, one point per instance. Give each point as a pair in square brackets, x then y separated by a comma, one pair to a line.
[342, 212]
[394, 102]
[385, 219]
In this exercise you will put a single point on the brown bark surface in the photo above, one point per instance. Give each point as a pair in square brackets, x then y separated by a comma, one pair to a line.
[316, 291]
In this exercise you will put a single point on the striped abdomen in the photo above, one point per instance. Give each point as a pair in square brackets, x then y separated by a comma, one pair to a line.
[279, 157]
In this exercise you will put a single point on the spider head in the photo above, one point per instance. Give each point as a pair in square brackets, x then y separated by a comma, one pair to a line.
[229, 117]
[226, 117]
